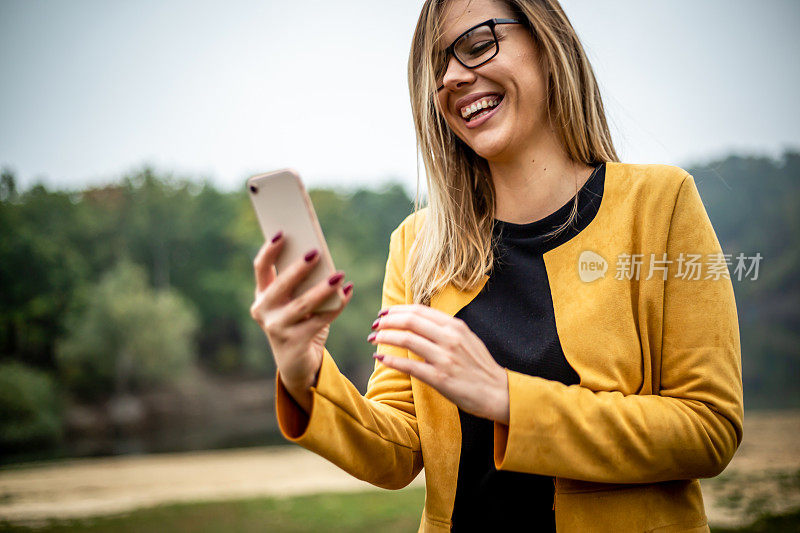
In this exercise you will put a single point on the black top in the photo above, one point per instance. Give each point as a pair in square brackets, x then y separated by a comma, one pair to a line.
[513, 315]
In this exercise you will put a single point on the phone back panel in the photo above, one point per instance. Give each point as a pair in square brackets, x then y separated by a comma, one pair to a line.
[281, 203]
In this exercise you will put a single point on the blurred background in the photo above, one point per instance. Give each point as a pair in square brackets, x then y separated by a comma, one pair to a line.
[127, 131]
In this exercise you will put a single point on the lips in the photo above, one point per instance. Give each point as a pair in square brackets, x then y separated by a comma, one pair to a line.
[480, 117]
[477, 108]
[472, 98]
[480, 107]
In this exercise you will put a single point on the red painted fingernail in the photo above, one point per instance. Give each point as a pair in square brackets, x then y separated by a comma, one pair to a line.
[378, 356]
[311, 255]
[347, 288]
[336, 278]
[383, 312]
[372, 337]
[375, 324]
[277, 236]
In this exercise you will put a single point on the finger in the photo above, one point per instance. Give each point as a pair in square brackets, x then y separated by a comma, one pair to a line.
[347, 289]
[308, 327]
[311, 324]
[299, 309]
[265, 281]
[264, 262]
[420, 370]
[280, 319]
[413, 321]
[418, 344]
[435, 315]
[281, 289]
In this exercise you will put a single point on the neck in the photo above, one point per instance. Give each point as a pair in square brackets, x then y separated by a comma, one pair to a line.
[536, 181]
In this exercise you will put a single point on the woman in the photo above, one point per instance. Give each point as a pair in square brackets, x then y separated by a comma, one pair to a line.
[547, 348]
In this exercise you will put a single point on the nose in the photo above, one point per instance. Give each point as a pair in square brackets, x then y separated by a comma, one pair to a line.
[457, 74]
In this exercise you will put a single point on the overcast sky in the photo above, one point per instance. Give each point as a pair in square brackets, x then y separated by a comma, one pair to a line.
[92, 89]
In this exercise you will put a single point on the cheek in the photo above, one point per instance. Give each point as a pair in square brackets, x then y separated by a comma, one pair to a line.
[528, 76]
[448, 116]
[453, 126]
[456, 125]
[531, 102]
[440, 101]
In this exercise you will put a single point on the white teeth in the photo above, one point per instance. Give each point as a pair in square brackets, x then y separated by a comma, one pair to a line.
[479, 105]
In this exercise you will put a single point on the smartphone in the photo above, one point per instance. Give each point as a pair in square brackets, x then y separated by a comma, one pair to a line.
[281, 203]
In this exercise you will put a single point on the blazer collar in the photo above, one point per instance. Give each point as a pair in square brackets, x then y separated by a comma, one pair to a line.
[451, 300]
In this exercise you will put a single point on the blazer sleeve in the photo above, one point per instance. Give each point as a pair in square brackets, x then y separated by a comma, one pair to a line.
[372, 437]
[688, 429]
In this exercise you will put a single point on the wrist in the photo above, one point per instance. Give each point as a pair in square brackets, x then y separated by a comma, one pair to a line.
[298, 386]
[301, 384]
[300, 394]
[503, 403]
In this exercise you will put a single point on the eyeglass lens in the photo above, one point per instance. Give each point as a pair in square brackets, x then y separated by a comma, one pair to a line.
[471, 49]
[476, 46]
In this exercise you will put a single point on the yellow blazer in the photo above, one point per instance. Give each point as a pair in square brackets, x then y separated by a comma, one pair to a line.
[659, 403]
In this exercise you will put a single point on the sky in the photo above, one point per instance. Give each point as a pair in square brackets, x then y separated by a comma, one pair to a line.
[93, 90]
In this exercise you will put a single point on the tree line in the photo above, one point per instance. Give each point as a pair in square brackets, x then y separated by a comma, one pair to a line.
[115, 289]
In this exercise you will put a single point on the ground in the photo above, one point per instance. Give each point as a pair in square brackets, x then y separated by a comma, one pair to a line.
[763, 476]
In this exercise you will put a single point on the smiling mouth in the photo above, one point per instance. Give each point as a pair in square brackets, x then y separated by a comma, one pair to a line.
[481, 107]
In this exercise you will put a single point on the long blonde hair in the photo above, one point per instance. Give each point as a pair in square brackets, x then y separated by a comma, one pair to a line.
[455, 242]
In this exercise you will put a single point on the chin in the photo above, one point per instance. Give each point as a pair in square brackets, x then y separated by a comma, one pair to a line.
[491, 146]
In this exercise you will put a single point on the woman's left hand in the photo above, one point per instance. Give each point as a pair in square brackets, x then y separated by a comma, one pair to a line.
[456, 361]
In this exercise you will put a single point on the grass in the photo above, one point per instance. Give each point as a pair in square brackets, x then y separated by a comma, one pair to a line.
[385, 511]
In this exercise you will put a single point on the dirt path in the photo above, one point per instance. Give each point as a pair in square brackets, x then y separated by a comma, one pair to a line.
[762, 476]
[88, 487]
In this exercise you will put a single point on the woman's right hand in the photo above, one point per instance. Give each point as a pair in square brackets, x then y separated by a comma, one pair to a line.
[297, 337]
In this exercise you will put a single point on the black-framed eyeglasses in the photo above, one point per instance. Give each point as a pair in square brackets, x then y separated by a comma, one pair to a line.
[473, 48]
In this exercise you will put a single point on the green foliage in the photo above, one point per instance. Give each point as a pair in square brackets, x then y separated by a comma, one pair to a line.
[189, 237]
[199, 242]
[8, 186]
[127, 336]
[29, 407]
[40, 267]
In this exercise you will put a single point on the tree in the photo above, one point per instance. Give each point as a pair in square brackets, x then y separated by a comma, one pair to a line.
[30, 409]
[754, 204]
[127, 336]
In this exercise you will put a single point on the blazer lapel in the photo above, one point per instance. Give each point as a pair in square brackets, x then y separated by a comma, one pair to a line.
[442, 436]
[451, 300]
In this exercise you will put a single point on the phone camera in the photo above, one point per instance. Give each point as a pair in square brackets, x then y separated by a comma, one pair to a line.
[253, 189]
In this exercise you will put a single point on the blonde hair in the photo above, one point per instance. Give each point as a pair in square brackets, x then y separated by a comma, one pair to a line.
[455, 242]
